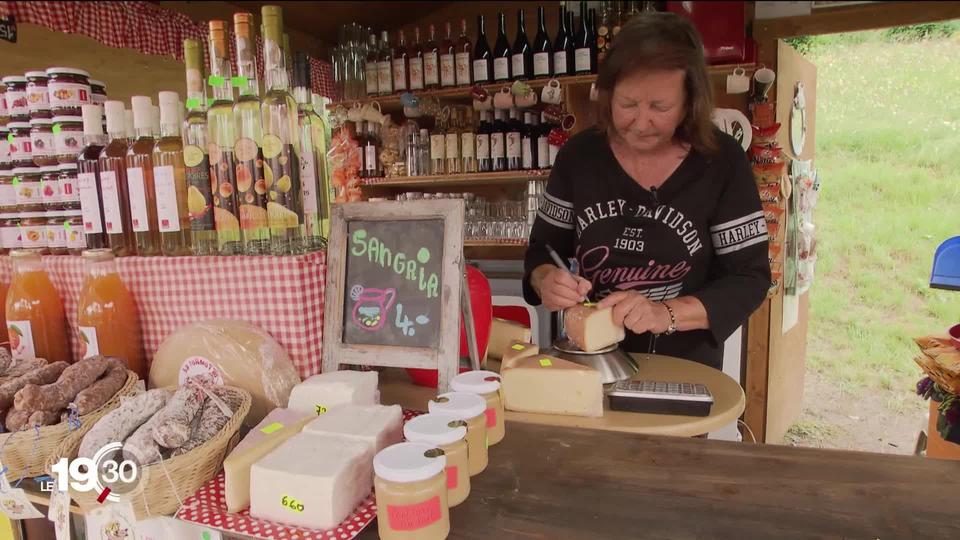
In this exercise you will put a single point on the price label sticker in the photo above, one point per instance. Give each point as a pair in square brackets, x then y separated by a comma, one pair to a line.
[193, 103]
[215, 80]
[239, 82]
[10, 138]
[292, 504]
[57, 129]
[16, 180]
[518, 347]
[320, 409]
[276, 426]
[545, 362]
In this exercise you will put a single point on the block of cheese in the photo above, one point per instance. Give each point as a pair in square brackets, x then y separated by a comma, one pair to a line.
[236, 468]
[273, 422]
[517, 350]
[502, 333]
[312, 481]
[322, 392]
[592, 329]
[377, 426]
[544, 384]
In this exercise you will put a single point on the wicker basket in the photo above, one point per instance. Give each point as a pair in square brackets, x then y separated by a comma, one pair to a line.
[163, 486]
[25, 452]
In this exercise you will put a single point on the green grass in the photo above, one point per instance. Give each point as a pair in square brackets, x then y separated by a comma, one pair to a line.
[888, 155]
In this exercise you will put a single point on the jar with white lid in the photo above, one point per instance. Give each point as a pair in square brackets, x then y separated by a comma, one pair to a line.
[41, 142]
[50, 188]
[411, 492]
[73, 229]
[18, 108]
[5, 163]
[9, 231]
[67, 137]
[69, 89]
[26, 185]
[56, 235]
[447, 433]
[485, 384]
[8, 194]
[33, 231]
[4, 111]
[67, 180]
[20, 149]
[38, 100]
[470, 408]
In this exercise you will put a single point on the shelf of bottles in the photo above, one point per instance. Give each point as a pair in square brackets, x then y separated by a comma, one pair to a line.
[453, 180]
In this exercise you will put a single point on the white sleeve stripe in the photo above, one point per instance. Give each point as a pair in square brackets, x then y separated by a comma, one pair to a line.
[555, 223]
[736, 222]
[558, 202]
[741, 245]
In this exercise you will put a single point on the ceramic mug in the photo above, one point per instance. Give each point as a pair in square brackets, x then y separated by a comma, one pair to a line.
[552, 93]
[503, 99]
[738, 82]
[355, 113]
[594, 93]
[763, 80]
[371, 112]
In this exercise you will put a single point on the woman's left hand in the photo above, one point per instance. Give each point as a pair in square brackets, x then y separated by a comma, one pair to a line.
[636, 313]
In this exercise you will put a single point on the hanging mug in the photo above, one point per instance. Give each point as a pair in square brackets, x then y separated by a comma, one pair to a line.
[763, 80]
[527, 100]
[553, 114]
[594, 93]
[355, 114]
[503, 99]
[738, 82]
[552, 93]
[371, 112]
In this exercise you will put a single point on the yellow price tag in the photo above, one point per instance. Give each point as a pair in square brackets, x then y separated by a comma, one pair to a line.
[518, 347]
[545, 362]
[320, 409]
[276, 426]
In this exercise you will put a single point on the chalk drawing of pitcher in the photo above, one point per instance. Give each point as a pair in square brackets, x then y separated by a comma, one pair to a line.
[370, 311]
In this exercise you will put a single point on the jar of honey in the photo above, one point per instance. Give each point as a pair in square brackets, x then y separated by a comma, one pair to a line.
[471, 409]
[447, 433]
[485, 384]
[8, 195]
[67, 180]
[5, 163]
[411, 492]
[98, 92]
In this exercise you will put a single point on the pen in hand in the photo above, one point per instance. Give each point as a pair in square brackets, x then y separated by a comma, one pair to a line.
[560, 264]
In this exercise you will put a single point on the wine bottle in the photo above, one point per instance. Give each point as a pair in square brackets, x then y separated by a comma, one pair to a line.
[361, 131]
[448, 61]
[583, 49]
[468, 142]
[484, 163]
[563, 47]
[593, 40]
[370, 67]
[438, 148]
[195, 154]
[482, 55]
[371, 151]
[113, 178]
[431, 61]
[452, 142]
[501, 52]
[400, 65]
[542, 48]
[528, 142]
[543, 144]
[513, 143]
[498, 150]
[463, 57]
[88, 179]
[617, 20]
[416, 62]
[522, 53]
[385, 65]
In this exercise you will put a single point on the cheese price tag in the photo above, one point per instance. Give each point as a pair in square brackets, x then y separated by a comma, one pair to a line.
[268, 429]
[545, 362]
[320, 409]
[518, 347]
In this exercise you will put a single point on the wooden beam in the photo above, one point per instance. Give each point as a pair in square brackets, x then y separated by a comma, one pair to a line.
[755, 382]
[856, 17]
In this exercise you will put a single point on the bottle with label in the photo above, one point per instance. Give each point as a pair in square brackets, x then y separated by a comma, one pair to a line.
[438, 147]
[250, 173]
[370, 66]
[222, 131]
[583, 47]
[468, 143]
[464, 56]
[431, 60]
[107, 319]
[88, 177]
[314, 173]
[482, 55]
[170, 180]
[416, 61]
[522, 56]
[605, 29]
[140, 182]
[411, 149]
[371, 151]
[203, 231]
[528, 141]
[36, 324]
[113, 182]
[385, 66]
[452, 143]
[498, 146]
[484, 163]
[543, 144]
[502, 52]
[448, 50]
[281, 145]
[542, 48]
[401, 65]
[514, 149]
[594, 40]
[423, 154]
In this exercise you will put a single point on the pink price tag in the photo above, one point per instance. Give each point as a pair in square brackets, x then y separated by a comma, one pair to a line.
[452, 481]
[411, 517]
[491, 414]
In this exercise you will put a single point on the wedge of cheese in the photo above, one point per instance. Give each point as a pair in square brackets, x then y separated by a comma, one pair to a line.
[592, 329]
[377, 426]
[320, 393]
[276, 420]
[517, 350]
[236, 468]
[548, 385]
[502, 333]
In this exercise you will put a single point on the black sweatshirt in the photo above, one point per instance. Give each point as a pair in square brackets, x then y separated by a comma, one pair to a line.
[702, 233]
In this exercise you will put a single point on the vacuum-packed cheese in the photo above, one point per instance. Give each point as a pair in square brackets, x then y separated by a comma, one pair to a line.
[592, 329]
[544, 384]
[502, 333]
[378, 426]
[312, 481]
[276, 420]
[320, 393]
[517, 350]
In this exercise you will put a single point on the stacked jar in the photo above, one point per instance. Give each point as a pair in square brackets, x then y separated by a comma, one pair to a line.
[9, 221]
[72, 221]
[55, 236]
[38, 97]
[29, 195]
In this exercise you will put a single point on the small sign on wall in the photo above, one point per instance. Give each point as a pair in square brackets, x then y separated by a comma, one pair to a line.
[8, 28]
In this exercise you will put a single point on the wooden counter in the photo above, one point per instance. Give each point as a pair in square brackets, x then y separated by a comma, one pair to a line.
[550, 483]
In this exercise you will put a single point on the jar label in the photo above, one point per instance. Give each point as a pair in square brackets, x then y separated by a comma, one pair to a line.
[68, 188]
[98, 99]
[560, 63]
[28, 193]
[89, 203]
[21, 149]
[33, 236]
[491, 415]
[452, 480]
[56, 235]
[37, 98]
[17, 102]
[21, 340]
[4, 149]
[88, 337]
[411, 517]
[8, 195]
[416, 73]
[75, 237]
[68, 95]
[3, 105]
[50, 192]
[42, 144]
[112, 217]
[67, 142]
[165, 188]
[462, 61]
[138, 200]
[480, 73]
[10, 237]
[541, 64]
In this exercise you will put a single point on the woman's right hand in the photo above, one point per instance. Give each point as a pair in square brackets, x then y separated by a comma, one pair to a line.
[558, 288]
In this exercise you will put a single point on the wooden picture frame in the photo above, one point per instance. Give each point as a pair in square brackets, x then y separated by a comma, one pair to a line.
[445, 357]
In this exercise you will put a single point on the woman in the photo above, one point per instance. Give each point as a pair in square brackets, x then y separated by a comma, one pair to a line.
[657, 206]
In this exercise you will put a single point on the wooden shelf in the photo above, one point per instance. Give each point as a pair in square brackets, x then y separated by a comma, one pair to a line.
[473, 249]
[468, 179]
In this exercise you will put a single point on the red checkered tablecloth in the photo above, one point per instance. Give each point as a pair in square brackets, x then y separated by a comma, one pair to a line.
[282, 295]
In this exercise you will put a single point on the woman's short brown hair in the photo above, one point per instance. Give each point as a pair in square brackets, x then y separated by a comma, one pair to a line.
[662, 41]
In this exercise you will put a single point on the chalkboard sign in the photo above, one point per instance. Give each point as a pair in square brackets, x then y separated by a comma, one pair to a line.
[394, 283]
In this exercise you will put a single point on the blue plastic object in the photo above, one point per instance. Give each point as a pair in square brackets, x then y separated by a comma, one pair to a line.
[946, 265]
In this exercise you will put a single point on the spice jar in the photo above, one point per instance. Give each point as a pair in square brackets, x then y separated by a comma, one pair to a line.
[41, 142]
[17, 107]
[5, 164]
[67, 137]
[447, 433]
[485, 384]
[50, 188]
[20, 148]
[38, 100]
[98, 92]
[411, 492]
[69, 89]
[8, 195]
[469, 408]
[9, 231]
[56, 235]
[26, 185]
[67, 180]
[33, 231]
[73, 230]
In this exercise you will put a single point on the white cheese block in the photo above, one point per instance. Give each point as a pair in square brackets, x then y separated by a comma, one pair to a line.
[236, 468]
[592, 329]
[322, 392]
[377, 426]
[517, 350]
[502, 332]
[548, 385]
[311, 481]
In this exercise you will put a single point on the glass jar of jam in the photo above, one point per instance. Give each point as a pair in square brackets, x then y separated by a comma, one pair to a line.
[9, 231]
[8, 195]
[20, 147]
[471, 409]
[5, 163]
[4, 112]
[411, 491]
[17, 106]
[56, 233]
[448, 434]
[485, 384]
[67, 137]
[69, 89]
[38, 100]
[98, 92]
[50, 188]
[26, 185]
[73, 229]
[33, 231]
[69, 194]
[41, 142]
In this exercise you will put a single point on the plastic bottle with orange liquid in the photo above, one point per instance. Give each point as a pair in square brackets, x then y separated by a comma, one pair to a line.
[35, 320]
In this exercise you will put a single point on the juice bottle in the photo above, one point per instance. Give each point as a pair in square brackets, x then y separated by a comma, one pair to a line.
[113, 181]
[199, 191]
[35, 321]
[170, 180]
[88, 177]
[222, 130]
[143, 209]
[107, 317]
